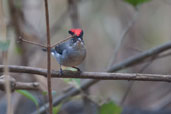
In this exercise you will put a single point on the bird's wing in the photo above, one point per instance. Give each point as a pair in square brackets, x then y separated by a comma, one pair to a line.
[61, 47]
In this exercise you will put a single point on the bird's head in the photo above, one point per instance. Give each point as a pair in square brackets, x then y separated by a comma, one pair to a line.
[77, 34]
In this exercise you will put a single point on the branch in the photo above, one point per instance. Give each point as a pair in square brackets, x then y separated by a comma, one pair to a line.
[131, 84]
[30, 42]
[38, 44]
[124, 64]
[19, 85]
[60, 22]
[117, 49]
[122, 38]
[62, 41]
[3, 33]
[140, 57]
[48, 56]
[27, 86]
[90, 75]
[73, 9]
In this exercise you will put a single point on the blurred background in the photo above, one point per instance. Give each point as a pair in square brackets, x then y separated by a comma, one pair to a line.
[114, 30]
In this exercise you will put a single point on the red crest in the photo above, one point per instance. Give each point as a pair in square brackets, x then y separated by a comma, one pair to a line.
[76, 32]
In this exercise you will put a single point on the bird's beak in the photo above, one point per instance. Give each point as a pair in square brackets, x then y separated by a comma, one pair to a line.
[79, 39]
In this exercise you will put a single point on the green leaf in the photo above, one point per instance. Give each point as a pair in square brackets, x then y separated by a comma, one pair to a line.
[136, 2]
[44, 93]
[18, 49]
[56, 109]
[73, 81]
[28, 95]
[69, 68]
[18, 4]
[4, 45]
[110, 108]
[78, 81]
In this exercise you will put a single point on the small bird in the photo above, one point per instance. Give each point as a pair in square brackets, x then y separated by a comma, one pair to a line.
[72, 52]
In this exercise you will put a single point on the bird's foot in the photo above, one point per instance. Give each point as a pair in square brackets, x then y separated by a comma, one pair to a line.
[60, 72]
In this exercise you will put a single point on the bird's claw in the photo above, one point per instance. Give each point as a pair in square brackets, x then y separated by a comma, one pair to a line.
[60, 72]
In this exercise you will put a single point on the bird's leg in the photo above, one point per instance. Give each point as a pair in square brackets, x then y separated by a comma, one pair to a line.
[76, 68]
[60, 70]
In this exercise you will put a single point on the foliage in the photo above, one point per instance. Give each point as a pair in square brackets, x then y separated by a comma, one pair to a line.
[56, 109]
[4, 45]
[28, 95]
[18, 49]
[135, 3]
[18, 4]
[44, 93]
[73, 81]
[110, 108]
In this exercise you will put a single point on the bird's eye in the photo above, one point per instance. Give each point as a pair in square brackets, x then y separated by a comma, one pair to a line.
[73, 40]
[70, 32]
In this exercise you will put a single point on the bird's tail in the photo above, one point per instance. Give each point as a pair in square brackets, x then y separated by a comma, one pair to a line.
[52, 50]
[44, 49]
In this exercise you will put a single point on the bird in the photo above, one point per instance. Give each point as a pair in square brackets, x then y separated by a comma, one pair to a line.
[72, 52]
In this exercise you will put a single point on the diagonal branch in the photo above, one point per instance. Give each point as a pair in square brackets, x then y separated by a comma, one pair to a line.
[122, 38]
[124, 64]
[30, 42]
[140, 57]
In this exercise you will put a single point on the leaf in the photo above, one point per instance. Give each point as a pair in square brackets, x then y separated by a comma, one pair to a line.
[28, 95]
[18, 49]
[4, 45]
[136, 2]
[44, 93]
[78, 81]
[18, 4]
[110, 108]
[69, 68]
[73, 81]
[56, 109]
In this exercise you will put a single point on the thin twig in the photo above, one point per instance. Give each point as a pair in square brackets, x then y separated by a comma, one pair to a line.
[117, 48]
[61, 41]
[7, 82]
[48, 57]
[131, 84]
[30, 42]
[165, 102]
[122, 38]
[38, 44]
[15, 18]
[164, 55]
[3, 34]
[142, 56]
[58, 24]
[20, 85]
